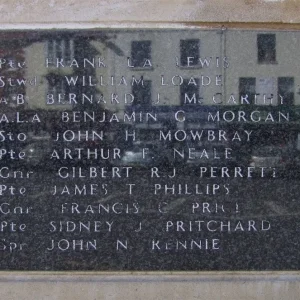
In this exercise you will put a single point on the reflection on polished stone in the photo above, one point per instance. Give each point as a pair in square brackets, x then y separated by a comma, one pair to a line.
[149, 150]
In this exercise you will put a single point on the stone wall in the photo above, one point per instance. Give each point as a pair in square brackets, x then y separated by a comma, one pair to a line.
[55, 11]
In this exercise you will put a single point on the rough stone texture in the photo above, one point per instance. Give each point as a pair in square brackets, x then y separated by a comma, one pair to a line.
[94, 11]
[267, 286]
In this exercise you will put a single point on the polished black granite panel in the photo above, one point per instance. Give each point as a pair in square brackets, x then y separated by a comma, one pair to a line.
[149, 150]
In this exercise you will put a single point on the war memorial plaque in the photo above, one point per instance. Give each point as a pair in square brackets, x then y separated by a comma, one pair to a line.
[149, 150]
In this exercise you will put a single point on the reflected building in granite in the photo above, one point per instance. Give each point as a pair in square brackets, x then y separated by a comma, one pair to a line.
[12, 68]
[206, 68]
[53, 58]
[176, 68]
[174, 65]
[104, 65]
[262, 64]
[156, 70]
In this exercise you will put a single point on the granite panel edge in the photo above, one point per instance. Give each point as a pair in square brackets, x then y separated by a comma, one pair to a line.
[123, 277]
[149, 25]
